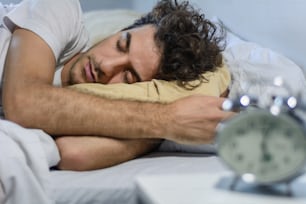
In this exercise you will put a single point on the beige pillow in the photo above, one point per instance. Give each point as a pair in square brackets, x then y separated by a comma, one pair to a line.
[159, 90]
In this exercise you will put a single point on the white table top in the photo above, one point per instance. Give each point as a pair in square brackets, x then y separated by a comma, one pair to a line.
[212, 189]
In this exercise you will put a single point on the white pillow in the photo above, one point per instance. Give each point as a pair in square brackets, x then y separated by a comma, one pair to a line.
[248, 61]
[102, 23]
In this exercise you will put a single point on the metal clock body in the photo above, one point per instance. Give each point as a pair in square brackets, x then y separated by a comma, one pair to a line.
[262, 147]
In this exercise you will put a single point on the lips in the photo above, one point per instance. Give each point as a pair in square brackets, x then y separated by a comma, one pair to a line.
[88, 72]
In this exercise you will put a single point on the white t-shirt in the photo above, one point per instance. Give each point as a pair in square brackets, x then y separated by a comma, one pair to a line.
[59, 23]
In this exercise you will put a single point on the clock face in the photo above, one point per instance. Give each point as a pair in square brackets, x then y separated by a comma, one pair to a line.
[270, 148]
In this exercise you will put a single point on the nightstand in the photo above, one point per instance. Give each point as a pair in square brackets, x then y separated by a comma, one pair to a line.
[212, 189]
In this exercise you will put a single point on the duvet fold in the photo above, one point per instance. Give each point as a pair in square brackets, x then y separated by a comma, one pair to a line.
[26, 156]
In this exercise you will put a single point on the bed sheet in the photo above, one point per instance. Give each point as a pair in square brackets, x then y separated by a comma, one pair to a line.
[117, 184]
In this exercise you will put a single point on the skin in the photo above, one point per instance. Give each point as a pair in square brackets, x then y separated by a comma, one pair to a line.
[83, 121]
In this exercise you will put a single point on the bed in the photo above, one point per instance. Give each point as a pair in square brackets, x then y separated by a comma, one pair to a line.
[254, 51]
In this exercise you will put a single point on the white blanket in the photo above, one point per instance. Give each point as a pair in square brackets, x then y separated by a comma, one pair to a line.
[25, 158]
[253, 68]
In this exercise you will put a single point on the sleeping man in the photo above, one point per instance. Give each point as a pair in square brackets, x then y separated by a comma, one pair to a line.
[44, 49]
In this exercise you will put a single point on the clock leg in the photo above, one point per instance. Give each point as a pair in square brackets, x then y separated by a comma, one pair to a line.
[234, 183]
[289, 190]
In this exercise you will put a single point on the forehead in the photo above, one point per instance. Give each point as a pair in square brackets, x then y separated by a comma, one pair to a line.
[144, 53]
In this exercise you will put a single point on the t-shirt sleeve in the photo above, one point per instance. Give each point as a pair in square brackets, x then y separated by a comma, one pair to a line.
[59, 23]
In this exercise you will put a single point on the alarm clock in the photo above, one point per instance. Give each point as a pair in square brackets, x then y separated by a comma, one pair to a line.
[263, 145]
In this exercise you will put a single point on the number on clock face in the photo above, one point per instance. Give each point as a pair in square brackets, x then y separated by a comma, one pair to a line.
[267, 146]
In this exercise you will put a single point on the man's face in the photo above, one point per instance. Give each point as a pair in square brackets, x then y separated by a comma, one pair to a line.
[126, 57]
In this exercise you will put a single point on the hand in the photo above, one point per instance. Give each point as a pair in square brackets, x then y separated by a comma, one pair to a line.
[193, 119]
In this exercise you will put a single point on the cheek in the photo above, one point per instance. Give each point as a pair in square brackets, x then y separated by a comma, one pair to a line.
[118, 78]
[152, 67]
[146, 64]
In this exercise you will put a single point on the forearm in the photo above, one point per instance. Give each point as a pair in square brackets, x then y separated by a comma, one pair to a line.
[90, 153]
[60, 111]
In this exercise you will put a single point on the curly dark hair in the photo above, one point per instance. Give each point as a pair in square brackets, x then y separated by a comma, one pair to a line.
[190, 43]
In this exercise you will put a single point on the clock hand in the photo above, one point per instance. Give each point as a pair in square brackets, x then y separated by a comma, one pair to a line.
[266, 156]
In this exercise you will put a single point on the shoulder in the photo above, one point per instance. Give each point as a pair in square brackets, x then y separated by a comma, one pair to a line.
[59, 23]
[42, 13]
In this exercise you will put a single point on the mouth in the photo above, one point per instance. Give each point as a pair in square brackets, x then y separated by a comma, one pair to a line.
[89, 73]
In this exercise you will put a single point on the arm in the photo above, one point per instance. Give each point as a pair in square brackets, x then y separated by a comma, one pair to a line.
[90, 153]
[30, 100]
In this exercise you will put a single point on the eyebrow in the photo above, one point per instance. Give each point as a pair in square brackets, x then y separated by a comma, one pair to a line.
[128, 40]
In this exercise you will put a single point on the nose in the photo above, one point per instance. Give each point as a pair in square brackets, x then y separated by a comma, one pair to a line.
[111, 69]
